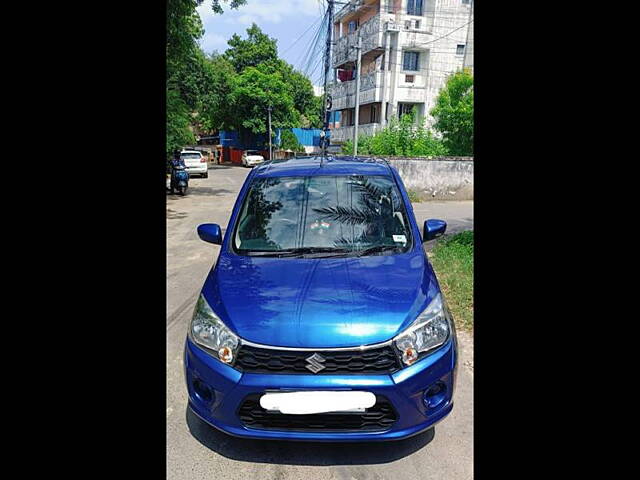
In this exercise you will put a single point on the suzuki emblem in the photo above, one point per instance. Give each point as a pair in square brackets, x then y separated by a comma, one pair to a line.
[314, 362]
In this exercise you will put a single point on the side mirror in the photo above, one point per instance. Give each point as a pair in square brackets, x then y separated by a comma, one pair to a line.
[210, 232]
[433, 228]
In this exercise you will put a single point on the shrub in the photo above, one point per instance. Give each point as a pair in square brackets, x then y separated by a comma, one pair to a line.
[400, 138]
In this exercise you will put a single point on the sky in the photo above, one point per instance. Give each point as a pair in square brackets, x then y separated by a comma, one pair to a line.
[284, 20]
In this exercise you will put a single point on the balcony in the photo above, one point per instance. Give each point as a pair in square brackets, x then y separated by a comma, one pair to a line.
[342, 134]
[372, 40]
[344, 93]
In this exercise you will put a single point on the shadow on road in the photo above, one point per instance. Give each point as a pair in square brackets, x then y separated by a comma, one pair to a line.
[208, 191]
[303, 453]
[198, 190]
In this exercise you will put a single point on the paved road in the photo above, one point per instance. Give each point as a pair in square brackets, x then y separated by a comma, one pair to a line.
[196, 451]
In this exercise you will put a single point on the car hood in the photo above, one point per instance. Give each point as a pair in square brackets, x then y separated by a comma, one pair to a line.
[320, 303]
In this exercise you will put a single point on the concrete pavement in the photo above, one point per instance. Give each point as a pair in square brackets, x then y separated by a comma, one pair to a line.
[197, 451]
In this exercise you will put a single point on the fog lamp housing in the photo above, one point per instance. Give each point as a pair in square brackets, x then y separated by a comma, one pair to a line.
[435, 395]
[202, 391]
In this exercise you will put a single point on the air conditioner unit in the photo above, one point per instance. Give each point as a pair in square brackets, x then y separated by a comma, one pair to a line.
[391, 27]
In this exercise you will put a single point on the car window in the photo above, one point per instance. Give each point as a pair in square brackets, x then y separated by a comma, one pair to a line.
[334, 214]
[185, 156]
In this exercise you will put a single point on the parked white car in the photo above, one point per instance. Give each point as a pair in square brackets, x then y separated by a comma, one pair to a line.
[195, 162]
[251, 158]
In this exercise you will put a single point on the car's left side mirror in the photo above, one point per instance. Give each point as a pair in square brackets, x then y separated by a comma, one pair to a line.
[210, 232]
[433, 228]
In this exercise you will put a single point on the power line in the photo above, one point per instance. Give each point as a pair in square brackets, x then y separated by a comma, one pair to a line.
[308, 51]
[303, 34]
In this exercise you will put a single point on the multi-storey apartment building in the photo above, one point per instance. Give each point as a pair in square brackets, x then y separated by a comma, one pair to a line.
[408, 49]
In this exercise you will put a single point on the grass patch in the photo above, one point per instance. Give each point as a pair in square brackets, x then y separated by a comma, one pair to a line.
[452, 259]
[414, 196]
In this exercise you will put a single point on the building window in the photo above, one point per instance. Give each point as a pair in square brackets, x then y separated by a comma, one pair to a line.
[407, 24]
[414, 7]
[466, 2]
[353, 25]
[374, 114]
[391, 6]
[460, 50]
[417, 24]
[406, 108]
[409, 78]
[410, 61]
[351, 117]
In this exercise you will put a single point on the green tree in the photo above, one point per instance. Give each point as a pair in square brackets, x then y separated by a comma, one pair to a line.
[216, 108]
[453, 114]
[233, 90]
[288, 141]
[256, 89]
[260, 50]
[257, 49]
[306, 103]
[187, 73]
[217, 7]
[177, 132]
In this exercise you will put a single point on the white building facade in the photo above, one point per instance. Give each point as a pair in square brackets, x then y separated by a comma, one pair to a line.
[409, 47]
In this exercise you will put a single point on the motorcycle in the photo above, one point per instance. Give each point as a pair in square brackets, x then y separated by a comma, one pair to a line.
[178, 180]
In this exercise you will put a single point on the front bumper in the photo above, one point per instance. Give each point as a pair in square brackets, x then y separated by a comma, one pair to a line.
[404, 389]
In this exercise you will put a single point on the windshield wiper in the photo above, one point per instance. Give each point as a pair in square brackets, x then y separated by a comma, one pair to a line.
[319, 252]
[300, 252]
[376, 249]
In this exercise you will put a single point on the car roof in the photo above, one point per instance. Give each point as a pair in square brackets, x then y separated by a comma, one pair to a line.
[331, 165]
[190, 151]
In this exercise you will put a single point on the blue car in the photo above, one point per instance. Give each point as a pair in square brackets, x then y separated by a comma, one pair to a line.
[322, 319]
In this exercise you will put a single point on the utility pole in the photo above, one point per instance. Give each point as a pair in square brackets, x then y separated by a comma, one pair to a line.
[468, 49]
[327, 65]
[385, 76]
[270, 154]
[357, 115]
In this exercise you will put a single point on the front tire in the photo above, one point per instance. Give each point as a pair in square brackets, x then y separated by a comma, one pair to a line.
[182, 191]
[205, 175]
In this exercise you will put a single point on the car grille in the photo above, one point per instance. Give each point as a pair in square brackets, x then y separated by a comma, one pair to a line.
[379, 417]
[381, 360]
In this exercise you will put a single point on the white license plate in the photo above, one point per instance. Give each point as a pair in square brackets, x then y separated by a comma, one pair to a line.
[302, 403]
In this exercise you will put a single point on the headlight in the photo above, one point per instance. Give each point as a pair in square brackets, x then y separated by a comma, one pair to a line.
[430, 330]
[209, 331]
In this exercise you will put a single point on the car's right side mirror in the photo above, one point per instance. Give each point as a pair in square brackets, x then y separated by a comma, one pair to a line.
[433, 228]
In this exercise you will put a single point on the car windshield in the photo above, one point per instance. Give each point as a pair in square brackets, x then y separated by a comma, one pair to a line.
[186, 156]
[252, 152]
[322, 216]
